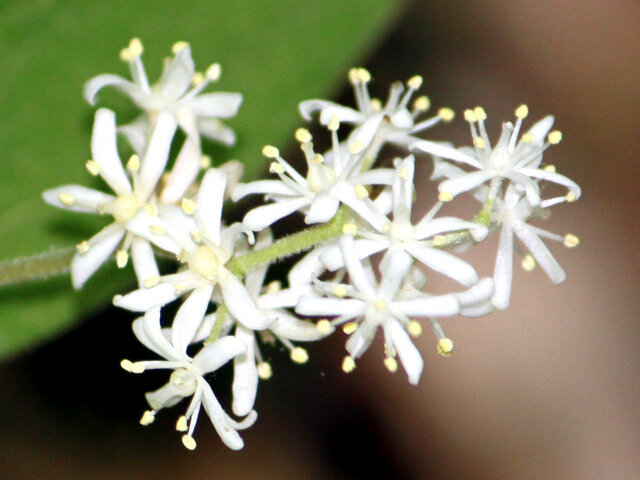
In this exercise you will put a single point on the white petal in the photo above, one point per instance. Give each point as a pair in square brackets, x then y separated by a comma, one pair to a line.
[394, 269]
[308, 267]
[428, 228]
[220, 420]
[105, 151]
[101, 246]
[322, 307]
[245, 374]
[376, 176]
[157, 154]
[143, 299]
[171, 240]
[329, 110]
[86, 200]
[331, 257]
[445, 151]
[540, 252]
[216, 354]
[466, 182]
[189, 317]
[284, 298]
[531, 187]
[261, 217]
[363, 207]
[553, 177]
[94, 85]
[240, 303]
[143, 259]
[136, 133]
[322, 209]
[147, 330]
[273, 187]
[357, 275]
[184, 172]
[177, 76]
[478, 293]
[292, 328]
[360, 340]
[210, 200]
[219, 104]
[367, 131]
[445, 263]
[215, 130]
[408, 353]
[428, 306]
[540, 129]
[503, 271]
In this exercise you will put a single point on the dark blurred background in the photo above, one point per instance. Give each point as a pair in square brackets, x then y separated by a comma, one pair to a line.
[548, 389]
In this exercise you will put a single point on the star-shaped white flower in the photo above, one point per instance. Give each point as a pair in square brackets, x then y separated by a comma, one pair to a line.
[517, 160]
[375, 123]
[133, 203]
[204, 247]
[421, 241]
[187, 379]
[368, 305]
[331, 179]
[179, 90]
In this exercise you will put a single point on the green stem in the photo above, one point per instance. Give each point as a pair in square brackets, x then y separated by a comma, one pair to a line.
[43, 265]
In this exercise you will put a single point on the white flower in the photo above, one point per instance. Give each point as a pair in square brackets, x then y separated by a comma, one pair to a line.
[421, 241]
[187, 378]
[515, 160]
[205, 251]
[131, 205]
[393, 122]
[196, 113]
[331, 180]
[367, 305]
[513, 214]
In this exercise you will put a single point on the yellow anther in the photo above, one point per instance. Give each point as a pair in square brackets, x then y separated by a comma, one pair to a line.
[133, 165]
[391, 364]
[348, 364]
[422, 103]
[270, 151]
[135, 47]
[152, 281]
[356, 147]
[350, 229]
[126, 365]
[205, 162]
[528, 263]
[469, 116]
[181, 256]
[189, 442]
[376, 104]
[93, 167]
[353, 75]
[274, 286]
[555, 137]
[213, 72]
[361, 191]
[527, 138]
[157, 229]
[303, 135]
[334, 124]
[445, 196]
[125, 55]
[318, 158]
[380, 304]
[522, 112]
[550, 168]
[275, 167]
[350, 327]
[415, 82]
[415, 329]
[340, 291]
[189, 206]
[479, 142]
[404, 173]
[181, 424]
[147, 418]
[299, 355]
[151, 209]
[571, 240]
[571, 197]
[179, 287]
[67, 199]
[324, 326]
[264, 370]
[480, 114]
[440, 240]
[446, 114]
[196, 236]
[179, 46]
[445, 347]
[137, 367]
[82, 247]
[197, 78]
[363, 75]
[122, 257]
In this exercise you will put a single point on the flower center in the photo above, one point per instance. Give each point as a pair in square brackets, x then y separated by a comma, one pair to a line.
[320, 177]
[183, 382]
[124, 208]
[402, 231]
[499, 159]
[204, 261]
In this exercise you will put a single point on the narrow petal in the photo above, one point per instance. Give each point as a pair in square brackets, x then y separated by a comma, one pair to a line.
[540, 129]
[101, 246]
[218, 104]
[444, 263]
[143, 259]
[220, 420]
[261, 217]
[308, 267]
[503, 271]
[553, 177]
[322, 209]
[105, 151]
[445, 151]
[216, 354]
[157, 154]
[269, 187]
[292, 328]
[143, 299]
[427, 306]
[210, 200]
[363, 207]
[408, 353]
[540, 252]
[363, 247]
[85, 200]
[217, 131]
[284, 298]
[94, 85]
[147, 330]
[177, 76]
[137, 133]
[245, 374]
[240, 303]
[428, 228]
[184, 172]
[189, 317]
[367, 130]
[478, 293]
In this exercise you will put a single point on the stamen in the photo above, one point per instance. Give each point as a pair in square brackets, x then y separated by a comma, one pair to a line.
[152, 281]
[571, 197]
[570, 240]
[189, 442]
[522, 112]
[415, 82]
[189, 206]
[555, 137]
[445, 347]
[67, 199]
[415, 329]
[213, 72]
[264, 370]
[348, 364]
[469, 116]
[324, 326]
[318, 158]
[205, 162]
[445, 196]
[275, 167]
[480, 114]
[303, 135]
[422, 104]
[479, 142]
[270, 151]
[122, 257]
[82, 247]
[147, 418]
[135, 47]
[179, 46]
[334, 124]
[391, 364]
[340, 291]
[527, 138]
[528, 263]
[550, 168]
[197, 79]
[133, 165]
[93, 167]
[361, 191]
[274, 286]
[181, 424]
[126, 365]
[446, 114]
[136, 367]
[299, 355]
[376, 104]
[350, 327]
[196, 236]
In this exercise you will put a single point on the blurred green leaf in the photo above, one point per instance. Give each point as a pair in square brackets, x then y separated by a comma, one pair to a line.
[275, 52]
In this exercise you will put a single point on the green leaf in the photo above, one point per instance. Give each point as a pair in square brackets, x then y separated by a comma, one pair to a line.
[275, 52]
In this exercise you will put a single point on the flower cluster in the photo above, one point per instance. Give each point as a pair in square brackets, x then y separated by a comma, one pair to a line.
[363, 259]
